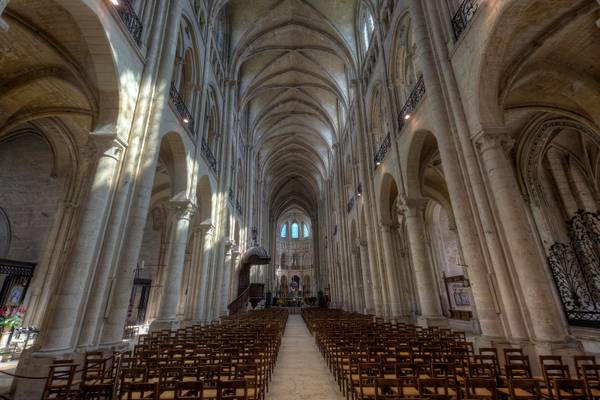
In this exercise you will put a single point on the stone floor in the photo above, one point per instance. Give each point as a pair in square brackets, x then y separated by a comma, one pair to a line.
[301, 372]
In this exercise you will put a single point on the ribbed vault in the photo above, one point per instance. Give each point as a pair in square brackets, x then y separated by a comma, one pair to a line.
[292, 60]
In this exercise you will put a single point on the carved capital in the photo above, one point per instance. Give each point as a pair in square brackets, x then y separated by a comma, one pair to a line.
[105, 144]
[182, 209]
[412, 207]
[493, 139]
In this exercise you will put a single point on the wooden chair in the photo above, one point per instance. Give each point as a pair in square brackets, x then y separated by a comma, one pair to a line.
[189, 390]
[367, 374]
[591, 378]
[232, 390]
[523, 389]
[60, 381]
[139, 391]
[435, 388]
[567, 388]
[480, 388]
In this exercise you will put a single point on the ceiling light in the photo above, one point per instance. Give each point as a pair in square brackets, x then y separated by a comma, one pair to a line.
[186, 120]
[115, 2]
[407, 116]
[378, 163]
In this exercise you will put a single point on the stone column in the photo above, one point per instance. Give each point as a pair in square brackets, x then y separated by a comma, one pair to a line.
[167, 306]
[357, 281]
[203, 299]
[529, 266]
[233, 282]
[195, 273]
[390, 266]
[431, 309]
[129, 250]
[230, 247]
[366, 276]
[64, 321]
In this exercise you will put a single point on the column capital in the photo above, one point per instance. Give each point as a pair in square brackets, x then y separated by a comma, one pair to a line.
[412, 206]
[106, 144]
[183, 209]
[489, 138]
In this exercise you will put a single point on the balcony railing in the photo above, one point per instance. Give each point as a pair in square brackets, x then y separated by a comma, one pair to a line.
[463, 16]
[405, 114]
[182, 110]
[350, 205]
[411, 103]
[130, 19]
[207, 153]
[383, 150]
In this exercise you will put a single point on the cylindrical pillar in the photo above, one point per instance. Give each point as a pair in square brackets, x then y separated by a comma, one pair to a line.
[167, 306]
[546, 323]
[390, 266]
[112, 331]
[63, 322]
[425, 282]
[366, 276]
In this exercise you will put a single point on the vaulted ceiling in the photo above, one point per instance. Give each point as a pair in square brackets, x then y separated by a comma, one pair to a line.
[293, 60]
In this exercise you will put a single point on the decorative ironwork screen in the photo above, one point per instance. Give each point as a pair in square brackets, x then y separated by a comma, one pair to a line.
[575, 268]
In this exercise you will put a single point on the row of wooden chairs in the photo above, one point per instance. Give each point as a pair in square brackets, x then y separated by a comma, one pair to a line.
[371, 359]
[229, 359]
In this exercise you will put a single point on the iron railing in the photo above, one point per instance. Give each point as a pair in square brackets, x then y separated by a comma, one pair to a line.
[406, 112]
[575, 267]
[350, 205]
[185, 114]
[411, 103]
[463, 16]
[385, 146]
[130, 19]
[207, 153]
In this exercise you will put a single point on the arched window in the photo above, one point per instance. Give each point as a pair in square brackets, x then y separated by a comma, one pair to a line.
[367, 26]
[305, 231]
[295, 230]
[284, 231]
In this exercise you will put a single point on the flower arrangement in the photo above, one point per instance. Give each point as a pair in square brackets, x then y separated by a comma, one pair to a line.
[11, 317]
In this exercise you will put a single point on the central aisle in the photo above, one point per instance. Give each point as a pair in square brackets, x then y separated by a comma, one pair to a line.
[301, 372]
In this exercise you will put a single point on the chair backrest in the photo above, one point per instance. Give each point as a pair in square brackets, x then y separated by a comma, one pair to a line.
[189, 390]
[59, 382]
[135, 374]
[139, 391]
[567, 388]
[388, 389]
[480, 388]
[434, 388]
[209, 374]
[580, 361]
[524, 389]
[511, 352]
[553, 371]
[518, 372]
[168, 376]
[236, 389]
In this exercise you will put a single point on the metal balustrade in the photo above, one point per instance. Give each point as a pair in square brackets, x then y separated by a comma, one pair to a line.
[463, 16]
[182, 110]
[130, 19]
[207, 153]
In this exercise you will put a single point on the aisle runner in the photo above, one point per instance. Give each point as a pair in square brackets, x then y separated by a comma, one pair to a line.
[301, 372]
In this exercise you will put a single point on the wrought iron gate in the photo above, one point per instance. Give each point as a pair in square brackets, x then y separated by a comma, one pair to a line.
[575, 268]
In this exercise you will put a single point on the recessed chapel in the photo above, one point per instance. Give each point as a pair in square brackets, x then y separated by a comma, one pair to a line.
[293, 199]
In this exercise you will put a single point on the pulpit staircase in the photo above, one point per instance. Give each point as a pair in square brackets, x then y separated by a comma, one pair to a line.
[254, 293]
